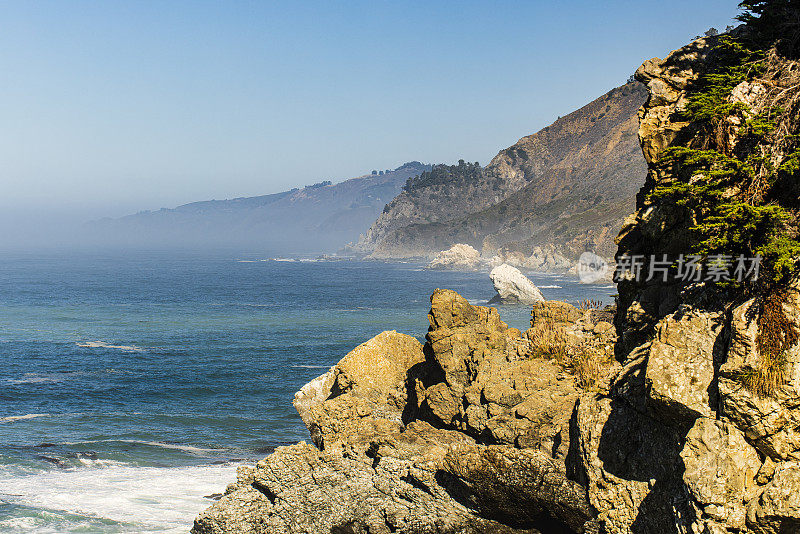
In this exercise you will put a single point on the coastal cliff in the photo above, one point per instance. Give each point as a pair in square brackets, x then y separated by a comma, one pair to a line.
[681, 417]
[567, 187]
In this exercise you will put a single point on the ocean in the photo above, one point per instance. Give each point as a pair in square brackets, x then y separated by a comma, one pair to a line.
[132, 385]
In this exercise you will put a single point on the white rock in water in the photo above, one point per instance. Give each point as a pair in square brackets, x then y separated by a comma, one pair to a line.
[459, 256]
[513, 286]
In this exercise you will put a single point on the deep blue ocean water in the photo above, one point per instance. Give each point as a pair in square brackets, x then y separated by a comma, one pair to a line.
[132, 385]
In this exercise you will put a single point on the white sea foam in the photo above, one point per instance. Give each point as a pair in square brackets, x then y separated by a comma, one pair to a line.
[36, 378]
[147, 498]
[174, 446]
[104, 345]
[311, 366]
[12, 418]
[549, 287]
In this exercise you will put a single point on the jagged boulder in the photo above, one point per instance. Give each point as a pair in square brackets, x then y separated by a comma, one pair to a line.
[496, 462]
[365, 393]
[459, 256]
[513, 286]
[720, 470]
[492, 385]
[680, 372]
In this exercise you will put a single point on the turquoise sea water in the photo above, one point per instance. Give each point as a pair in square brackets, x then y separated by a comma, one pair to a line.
[132, 385]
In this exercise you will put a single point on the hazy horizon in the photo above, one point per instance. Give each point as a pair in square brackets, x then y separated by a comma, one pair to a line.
[118, 108]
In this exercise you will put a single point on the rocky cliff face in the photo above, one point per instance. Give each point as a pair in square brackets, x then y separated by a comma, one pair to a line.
[568, 185]
[726, 450]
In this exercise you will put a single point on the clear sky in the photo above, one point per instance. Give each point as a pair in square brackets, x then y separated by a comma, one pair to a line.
[109, 107]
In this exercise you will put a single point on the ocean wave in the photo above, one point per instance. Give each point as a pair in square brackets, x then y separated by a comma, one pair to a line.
[549, 287]
[36, 378]
[163, 499]
[99, 463]
[311, 366]
[12, 418]
[173, 446]
[104, 345]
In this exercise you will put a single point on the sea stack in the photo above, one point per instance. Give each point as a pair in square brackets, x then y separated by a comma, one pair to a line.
[513, 286]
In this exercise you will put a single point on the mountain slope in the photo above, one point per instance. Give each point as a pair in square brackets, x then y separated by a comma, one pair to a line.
[568, 185]
[318, 218]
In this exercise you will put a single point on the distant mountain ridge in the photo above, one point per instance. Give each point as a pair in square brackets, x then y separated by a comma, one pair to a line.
[318, 218]
[568, 186]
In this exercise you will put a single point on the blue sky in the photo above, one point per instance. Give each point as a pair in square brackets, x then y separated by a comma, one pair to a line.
[111, 107]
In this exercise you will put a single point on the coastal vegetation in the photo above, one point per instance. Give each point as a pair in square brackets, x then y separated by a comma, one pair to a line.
[737, 172]
[734, 171]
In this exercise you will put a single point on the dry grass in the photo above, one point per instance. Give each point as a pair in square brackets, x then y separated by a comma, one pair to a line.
[776, 335]
[590, 304]
[549, 342]
[588, 364]
[585, 358]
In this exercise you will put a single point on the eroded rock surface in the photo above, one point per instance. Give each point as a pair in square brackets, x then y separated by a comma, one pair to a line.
[772, 423]
[513, 286]
[467, 434]
[364, 394]
[459, 256]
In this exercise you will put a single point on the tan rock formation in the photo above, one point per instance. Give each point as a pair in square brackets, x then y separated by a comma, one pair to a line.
[493, 461]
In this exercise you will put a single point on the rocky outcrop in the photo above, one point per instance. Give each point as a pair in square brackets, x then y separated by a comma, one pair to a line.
[513, 286]
[681, 443]
[464, 257]
[771, 423]
[459, 256]
[364, 394]
[470, 433]
[540, 259]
